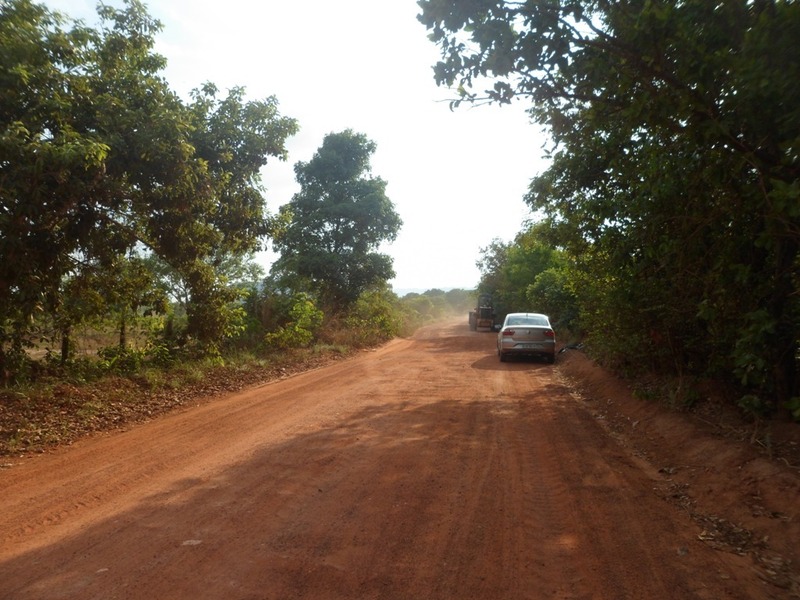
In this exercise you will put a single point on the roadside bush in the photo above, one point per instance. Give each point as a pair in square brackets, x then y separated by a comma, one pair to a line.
[160, 355]
[119, 360]
[299, 332]
[374, 318]
[422, 305]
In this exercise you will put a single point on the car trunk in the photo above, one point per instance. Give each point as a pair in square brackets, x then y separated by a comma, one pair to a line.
[529, 335]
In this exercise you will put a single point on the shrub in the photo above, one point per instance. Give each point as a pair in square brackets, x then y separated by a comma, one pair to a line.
[299, 332]
[374, 318]
[116, 359]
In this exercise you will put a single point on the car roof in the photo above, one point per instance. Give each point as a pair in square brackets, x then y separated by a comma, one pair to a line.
[526, 320]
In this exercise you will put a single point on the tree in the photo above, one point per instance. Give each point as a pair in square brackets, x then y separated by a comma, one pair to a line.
[121, 290]
[508, 269]
[674, 181]
[98, 157]
[336, 223]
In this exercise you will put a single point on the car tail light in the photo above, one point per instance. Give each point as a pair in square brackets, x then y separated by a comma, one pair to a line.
[550, 333]
[509, 332]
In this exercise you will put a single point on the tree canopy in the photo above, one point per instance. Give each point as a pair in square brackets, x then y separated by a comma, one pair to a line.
[100, 159]
[674, 176]
[520, 276]
[334, 226]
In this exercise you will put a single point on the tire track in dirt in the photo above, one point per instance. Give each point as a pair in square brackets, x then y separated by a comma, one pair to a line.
[425, 469]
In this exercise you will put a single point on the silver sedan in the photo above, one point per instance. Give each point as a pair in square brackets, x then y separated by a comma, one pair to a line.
[526, 334]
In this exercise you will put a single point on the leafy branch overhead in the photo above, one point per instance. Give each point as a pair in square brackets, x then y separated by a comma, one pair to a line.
[673, 183]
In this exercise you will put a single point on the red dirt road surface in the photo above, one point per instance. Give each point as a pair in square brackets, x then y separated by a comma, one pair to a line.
[425, 469]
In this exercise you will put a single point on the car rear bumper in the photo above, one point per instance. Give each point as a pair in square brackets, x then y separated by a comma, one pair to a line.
[546, 349]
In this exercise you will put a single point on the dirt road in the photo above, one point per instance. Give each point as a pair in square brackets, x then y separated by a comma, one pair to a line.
[426, 469]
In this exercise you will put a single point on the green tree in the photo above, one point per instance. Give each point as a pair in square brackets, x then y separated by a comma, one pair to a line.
[125, 290]
[422, 305]
[98, 157]
[509, 269]
[336, 223]
[674, 177]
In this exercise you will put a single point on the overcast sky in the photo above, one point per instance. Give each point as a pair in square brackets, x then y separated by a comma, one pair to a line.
[456, 178]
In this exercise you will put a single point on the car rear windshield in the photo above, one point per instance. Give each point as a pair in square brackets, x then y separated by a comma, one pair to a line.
[528, 320]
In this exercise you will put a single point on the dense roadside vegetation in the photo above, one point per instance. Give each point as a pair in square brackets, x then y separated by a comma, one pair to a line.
[105, 387]
[120, 201]
[668, 233]
[117, 196]
[129, 221]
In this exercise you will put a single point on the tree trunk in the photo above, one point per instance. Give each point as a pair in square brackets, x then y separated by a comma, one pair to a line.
[66, 344]
[123, 334]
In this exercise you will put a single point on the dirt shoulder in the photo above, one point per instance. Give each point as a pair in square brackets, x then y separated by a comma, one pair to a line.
[746, 501]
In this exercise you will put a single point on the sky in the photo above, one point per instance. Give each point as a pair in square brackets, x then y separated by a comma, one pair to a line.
[456, 177]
